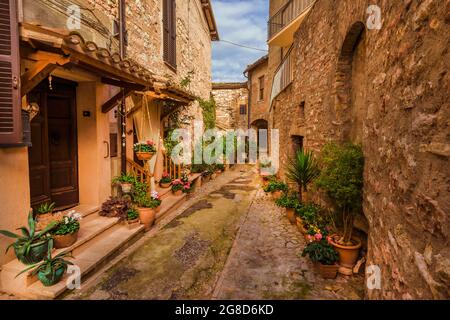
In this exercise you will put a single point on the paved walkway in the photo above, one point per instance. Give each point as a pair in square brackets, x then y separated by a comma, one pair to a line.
[228, 242]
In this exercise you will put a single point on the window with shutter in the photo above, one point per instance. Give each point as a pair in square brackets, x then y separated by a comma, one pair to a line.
[169, 33]
[10, 102]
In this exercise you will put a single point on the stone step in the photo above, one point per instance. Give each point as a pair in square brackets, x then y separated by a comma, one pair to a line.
[90, 258]
[91, 226]
[170, 203]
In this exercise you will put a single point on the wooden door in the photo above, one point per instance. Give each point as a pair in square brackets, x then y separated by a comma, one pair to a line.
[53, 155]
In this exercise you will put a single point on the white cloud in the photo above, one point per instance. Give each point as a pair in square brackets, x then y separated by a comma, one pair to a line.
[243, 22]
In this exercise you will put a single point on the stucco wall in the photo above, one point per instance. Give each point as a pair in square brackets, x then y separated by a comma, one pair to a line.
[404, 130]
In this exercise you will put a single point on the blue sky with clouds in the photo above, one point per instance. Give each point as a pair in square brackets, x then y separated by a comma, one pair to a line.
[243, 22]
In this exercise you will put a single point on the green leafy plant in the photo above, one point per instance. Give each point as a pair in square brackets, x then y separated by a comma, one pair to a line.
[321, 252]
[289, 201]
[147, 202]
[45, 208]
[303, 170]
[148, 146]
[342, 180]
[275, 185]
[69, 224]
[208, 111]
[132, 214]
[124, 178]
[51, 269]
[165, 178]
[186, 81]
[30, 247]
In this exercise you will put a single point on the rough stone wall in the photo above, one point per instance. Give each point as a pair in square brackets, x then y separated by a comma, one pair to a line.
[259, 107]
[404, 128]
[227, 107]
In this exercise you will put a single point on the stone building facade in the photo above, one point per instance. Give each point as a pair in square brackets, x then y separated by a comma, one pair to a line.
[386, 89]
[231, 105]
[259, 92]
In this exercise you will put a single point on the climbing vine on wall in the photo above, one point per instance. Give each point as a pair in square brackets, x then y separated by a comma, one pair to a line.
[209, 112]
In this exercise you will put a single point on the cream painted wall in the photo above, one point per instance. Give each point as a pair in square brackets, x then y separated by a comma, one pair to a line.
[14, 194]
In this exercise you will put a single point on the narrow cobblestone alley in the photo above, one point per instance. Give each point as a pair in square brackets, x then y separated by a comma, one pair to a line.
[229, 242]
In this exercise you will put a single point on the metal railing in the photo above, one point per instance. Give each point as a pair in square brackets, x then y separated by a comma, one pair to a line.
[287, 13]
[283, 76]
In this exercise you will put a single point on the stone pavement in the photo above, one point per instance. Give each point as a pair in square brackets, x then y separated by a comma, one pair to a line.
[265, 262]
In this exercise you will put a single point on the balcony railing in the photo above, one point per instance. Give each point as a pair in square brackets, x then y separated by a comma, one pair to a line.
[283, 76]
[291, 10]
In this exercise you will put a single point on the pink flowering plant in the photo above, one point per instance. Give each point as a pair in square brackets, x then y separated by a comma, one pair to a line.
[146, 146]
[321, 252]
[156, 198]
[165, 178]
[177, 185]
[187, 187]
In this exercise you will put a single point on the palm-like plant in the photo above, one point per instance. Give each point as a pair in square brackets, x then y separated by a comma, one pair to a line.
[30, 247]
[302, 169]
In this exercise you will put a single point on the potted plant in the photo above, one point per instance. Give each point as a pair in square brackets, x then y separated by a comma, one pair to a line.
[146, 208]
[65, 233]
[177, 187]
[276, 188]
[31, 246]
[290, 203]
[157, 199]
[165, 181]
[132, 218]
[51, 270]
[342, 180]
[187, 187]
[145, 150]
[116, 207]
[324, 256]
[302, 170]
[44, 215]
[125, 181]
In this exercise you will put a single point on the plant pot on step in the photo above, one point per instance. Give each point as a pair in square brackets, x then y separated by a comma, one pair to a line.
[327, 271]
[165, 185]
[37, 252]
[50, 279]
[147, 217]
[348, 255]
[126, 187]
[290, 213]
[65, 241]
[145, 156]
[277, 195]
[178, 193]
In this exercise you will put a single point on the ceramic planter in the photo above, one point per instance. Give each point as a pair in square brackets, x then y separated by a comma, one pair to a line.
[126, 187]
[177, 193]
[165, 185]
[51, 279]
[144, 156]
[147, 217]
[37, 252]
[290, 213]
[327, 271]
[133, 223]
[64, 241]
[348, 255]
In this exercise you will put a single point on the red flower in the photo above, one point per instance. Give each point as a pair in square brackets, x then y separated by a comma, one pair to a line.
[150, 142]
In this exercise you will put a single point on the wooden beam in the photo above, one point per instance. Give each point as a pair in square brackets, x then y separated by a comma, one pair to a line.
[122, 84]
[111, 103]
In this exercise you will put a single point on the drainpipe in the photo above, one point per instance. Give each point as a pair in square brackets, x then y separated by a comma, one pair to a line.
[122, 119]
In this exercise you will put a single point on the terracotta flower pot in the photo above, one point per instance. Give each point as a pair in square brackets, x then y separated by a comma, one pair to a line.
[177, 193]
[126, 187]
[348, 255]
[327, 271]
[277, 195]
[165, 185]
[65, 241]
[147, 217]
[144, 156]
[290, 213]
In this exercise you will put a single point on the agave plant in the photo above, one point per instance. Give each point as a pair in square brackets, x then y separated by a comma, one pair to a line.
[45, 208]
[30, 247]
[302, 169]
[51, 269]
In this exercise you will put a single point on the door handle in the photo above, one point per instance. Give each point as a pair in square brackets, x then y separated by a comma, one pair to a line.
[107, 149]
